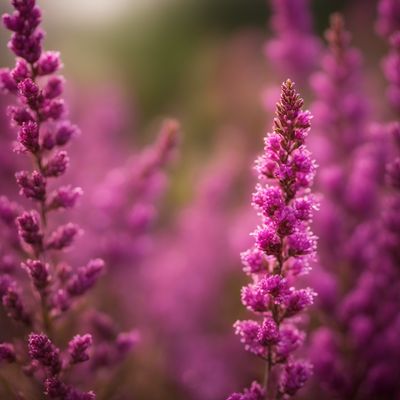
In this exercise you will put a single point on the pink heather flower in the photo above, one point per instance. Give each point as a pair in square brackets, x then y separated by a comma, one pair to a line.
[42, 350]
[42, 127]
[294, 377]
[85, 277]
[63, 237]
[29, 136]
[33, 186]
[388, 17]
[339, 82]
[7, 82]
[78, 347]
[302, 243]
[14, 307]
[249, 332]
[7, 353]
[254, 298]
[255, 392]
[290, 339]
[30, 92]
[65, 133]
[268, 199]
[268, 241]
[57, 165]
[21, 71]
[49, 63]
[8, 211]
[294, 49]
[55, 389]
[38, 272]
[351, 180]
[199, 232]
[54, 88]
[284, 203]
[254, 261]
[298, 300]
[29, 229]
[391, 65]
[275, 286]
[125, 341]
[19, 115]
[64, 197]
[268, 334]
[127, 200]
[5, 283]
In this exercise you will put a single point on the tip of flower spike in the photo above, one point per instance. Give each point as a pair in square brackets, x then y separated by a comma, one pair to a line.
[287, 84]
[165, 145]
[288, 88]
[172, 126]
[169, 134]
[337, 36]
[336, 20]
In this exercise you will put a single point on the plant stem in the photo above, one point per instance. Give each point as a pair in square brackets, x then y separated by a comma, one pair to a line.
[47, 326]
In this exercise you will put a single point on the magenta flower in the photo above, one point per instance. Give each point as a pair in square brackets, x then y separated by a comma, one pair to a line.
[127, 200]
[349, 359]
[294, 49]
[388, 17]
[284, 239]
[391, 69]
[34, 238]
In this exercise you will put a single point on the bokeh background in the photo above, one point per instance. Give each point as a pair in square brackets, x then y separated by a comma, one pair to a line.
[131, 63]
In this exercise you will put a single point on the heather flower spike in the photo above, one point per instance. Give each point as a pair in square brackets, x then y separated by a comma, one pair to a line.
[294, 49]
[40, 119]
[357, 356]
[284, 246]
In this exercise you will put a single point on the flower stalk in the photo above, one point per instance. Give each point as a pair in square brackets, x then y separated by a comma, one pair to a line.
[284, 247]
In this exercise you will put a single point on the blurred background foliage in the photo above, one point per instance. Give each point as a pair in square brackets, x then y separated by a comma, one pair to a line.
[163, 53]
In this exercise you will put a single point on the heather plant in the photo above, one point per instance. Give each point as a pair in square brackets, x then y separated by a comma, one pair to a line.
[292, 30]
[351, 154]
[196, 340]
[350, 361]
[388, 26]
[126, 201]
[284, 246]
[33, 237]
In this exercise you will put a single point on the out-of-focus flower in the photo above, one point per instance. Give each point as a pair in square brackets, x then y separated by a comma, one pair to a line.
[294, 49]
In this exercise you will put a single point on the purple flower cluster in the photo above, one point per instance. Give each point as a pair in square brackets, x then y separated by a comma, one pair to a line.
[354, 353]
[388, 26]
[284, 247]
[351, 158]
[388, 17]
[195, 340]
[391, 65]
[127, 199]
[339, 82]
[294, 49]
[43, 133]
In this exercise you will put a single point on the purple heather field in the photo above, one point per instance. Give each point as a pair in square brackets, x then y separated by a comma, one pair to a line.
[200, 200]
